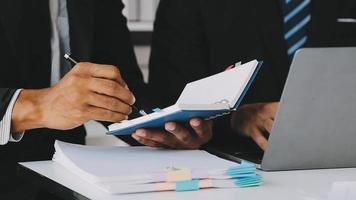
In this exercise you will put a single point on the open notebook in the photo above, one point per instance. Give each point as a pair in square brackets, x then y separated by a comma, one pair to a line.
[145, 169]
[207, 98]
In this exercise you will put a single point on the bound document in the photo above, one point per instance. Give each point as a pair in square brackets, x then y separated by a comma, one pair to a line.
[207, 98]
[118, 170]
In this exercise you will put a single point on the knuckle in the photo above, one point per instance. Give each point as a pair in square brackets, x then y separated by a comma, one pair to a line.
[111, 103]
[112, 86]
[92, 83]
[109, 86]
[185, 138]
[108, 114]
[114, 71]
[151, 136]
[81, 66]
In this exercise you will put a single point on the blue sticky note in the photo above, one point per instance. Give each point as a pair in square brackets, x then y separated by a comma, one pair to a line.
[156, 110]
[245, 169]
[187, 185]
[248, 182]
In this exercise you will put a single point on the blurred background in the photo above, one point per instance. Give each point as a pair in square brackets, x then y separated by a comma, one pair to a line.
[140, 16]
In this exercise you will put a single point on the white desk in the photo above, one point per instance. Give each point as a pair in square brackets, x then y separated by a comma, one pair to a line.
[302, 185]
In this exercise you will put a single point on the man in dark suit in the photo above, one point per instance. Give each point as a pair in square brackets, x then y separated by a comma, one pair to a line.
[97, 33]
[55, 101]
[194, 39]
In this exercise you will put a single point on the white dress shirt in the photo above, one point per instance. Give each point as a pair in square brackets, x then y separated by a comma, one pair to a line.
[59, 45]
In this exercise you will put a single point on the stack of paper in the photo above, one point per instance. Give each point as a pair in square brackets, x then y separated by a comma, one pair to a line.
[144, 169]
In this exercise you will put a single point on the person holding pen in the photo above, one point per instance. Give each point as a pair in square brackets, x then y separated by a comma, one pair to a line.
[44, 98]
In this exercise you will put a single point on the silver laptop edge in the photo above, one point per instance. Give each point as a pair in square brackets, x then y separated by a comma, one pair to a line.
[315, 126]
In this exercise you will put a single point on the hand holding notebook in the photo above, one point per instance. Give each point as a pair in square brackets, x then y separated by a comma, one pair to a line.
[207, 98]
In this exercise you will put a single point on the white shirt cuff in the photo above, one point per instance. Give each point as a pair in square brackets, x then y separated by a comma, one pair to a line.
[5, 124]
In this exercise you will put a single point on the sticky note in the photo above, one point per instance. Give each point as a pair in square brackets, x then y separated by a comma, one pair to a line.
[156, 110]
[179, 175]
[245, 169]
[238, 64]
[187, 185]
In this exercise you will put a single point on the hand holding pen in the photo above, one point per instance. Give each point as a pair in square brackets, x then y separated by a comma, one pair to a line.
[75, 62]
[87, 92]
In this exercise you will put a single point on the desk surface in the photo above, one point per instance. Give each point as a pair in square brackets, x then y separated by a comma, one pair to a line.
[291, 185]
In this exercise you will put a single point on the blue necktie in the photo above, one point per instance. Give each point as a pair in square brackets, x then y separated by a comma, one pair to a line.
[296, 17]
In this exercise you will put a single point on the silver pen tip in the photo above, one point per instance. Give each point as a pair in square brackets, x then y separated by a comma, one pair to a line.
[66, 56]
[142, 112]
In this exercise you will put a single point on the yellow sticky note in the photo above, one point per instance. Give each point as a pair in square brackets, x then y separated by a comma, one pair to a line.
[179, 175]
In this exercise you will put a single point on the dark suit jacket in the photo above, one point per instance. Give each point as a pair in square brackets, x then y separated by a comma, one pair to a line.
[98, 33]
[194, 39]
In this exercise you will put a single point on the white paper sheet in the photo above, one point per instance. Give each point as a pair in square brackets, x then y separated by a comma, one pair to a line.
[100, 164]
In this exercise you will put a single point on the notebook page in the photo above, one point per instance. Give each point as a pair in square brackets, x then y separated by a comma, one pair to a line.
[96, 164]
[224, 87]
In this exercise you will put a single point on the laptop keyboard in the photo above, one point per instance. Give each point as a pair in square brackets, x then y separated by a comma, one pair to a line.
[254, 157]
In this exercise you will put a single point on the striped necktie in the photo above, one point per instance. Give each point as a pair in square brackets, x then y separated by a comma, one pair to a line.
[296, 17]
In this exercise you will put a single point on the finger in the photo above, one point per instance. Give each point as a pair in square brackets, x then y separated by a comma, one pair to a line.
[109, 103]
[100, 114]
[268, 125]
[202, 129]
[106, 72]
[147, 142]
[271, 109]
[113, 89]
[158, 136]
[183, 135]
[260, 140]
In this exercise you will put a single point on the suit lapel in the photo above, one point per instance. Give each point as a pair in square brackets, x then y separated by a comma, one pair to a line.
[324, 16]
[81, 19]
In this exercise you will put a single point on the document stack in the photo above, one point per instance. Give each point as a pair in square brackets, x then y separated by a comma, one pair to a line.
[120, 170]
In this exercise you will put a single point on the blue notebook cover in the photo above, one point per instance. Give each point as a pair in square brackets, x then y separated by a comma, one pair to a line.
[186, 115]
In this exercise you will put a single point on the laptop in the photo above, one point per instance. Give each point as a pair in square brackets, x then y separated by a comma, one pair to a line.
[315, 126]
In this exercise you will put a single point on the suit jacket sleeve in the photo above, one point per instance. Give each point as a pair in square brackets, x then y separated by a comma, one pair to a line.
[179, 53]
[5, 98]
